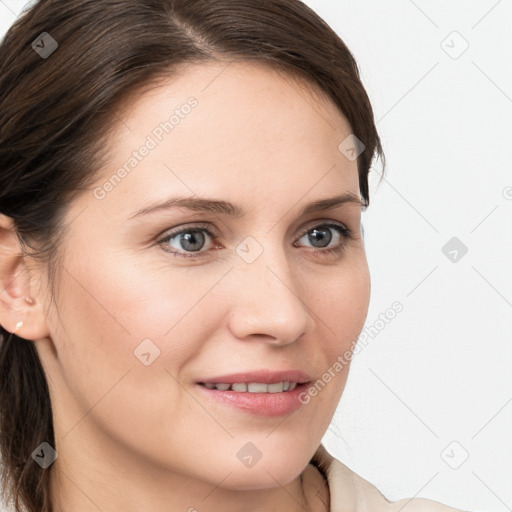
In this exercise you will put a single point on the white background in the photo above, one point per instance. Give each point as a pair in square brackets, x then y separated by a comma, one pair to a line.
[434, 385]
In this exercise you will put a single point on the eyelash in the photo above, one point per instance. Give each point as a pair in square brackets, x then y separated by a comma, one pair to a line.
[345, 233]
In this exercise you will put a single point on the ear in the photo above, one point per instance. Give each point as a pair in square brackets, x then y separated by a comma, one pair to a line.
[20, 298]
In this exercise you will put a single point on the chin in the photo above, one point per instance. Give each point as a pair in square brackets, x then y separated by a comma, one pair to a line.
[273, 474]
[267, 463]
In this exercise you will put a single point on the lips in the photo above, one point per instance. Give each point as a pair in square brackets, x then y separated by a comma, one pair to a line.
[262, 392]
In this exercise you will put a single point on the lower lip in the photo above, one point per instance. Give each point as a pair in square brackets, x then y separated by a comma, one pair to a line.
[260, 404]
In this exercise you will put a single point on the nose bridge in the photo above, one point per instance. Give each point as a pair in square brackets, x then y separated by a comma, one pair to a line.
[267, 300]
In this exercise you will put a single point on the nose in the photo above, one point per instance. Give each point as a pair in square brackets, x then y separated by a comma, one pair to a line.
[266, 302]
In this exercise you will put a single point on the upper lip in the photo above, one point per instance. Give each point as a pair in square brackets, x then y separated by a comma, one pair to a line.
[264, 376]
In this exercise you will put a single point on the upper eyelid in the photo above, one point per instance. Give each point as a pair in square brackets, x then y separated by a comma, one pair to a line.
[207, 227]
[314, 224]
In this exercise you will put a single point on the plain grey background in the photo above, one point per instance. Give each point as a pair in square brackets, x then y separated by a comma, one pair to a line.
[427, 411]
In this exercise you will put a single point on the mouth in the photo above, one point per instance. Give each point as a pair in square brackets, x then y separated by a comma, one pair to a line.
[252, 387]
[261, 393]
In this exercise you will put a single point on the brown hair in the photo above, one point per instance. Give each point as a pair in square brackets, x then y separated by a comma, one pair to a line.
[56, 112]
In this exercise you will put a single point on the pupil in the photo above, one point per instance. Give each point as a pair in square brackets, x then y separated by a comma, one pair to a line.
[322, 235]
[192, 241]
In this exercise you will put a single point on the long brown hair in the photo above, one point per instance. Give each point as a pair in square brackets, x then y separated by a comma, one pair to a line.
[56, 110]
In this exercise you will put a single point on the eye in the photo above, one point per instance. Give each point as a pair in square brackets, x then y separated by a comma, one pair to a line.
[188, 242]
[321, 236]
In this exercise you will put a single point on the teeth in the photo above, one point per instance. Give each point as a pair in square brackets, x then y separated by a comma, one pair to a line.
[253, 387]
[278, 387]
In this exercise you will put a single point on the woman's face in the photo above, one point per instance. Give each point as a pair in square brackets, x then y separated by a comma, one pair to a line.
[148, 318]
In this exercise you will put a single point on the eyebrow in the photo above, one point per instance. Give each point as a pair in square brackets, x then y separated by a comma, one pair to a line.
[205, 205]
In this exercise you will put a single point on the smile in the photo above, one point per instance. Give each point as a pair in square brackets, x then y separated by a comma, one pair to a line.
[252, 387]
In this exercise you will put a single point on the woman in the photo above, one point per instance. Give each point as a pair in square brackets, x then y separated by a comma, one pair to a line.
[182, 265]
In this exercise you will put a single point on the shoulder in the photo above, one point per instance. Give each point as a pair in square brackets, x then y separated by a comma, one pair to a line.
[420, 505]
[350, 492]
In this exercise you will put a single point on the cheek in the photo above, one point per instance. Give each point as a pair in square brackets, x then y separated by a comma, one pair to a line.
[107, 310]
[340, 305]
[174, 307]
[106, 315]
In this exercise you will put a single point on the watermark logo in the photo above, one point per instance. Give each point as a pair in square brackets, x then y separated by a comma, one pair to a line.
[146, 352]
[351, 147]
[249, 250]
[249, 455]
[454, 249]
[44, 45]
[44, 455]
[455, 455]
[454, 45]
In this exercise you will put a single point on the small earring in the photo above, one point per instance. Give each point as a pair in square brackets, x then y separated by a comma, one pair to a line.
[19, 325]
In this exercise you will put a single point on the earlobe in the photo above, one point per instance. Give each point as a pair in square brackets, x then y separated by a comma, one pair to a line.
[19, 312]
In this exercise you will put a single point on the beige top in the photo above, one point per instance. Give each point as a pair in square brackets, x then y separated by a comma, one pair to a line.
[349, 492]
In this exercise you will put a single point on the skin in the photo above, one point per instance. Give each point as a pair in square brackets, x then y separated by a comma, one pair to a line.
[133, 437]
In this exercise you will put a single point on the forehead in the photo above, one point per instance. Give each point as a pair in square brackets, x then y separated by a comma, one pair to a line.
[233, 83]
[216, 127]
